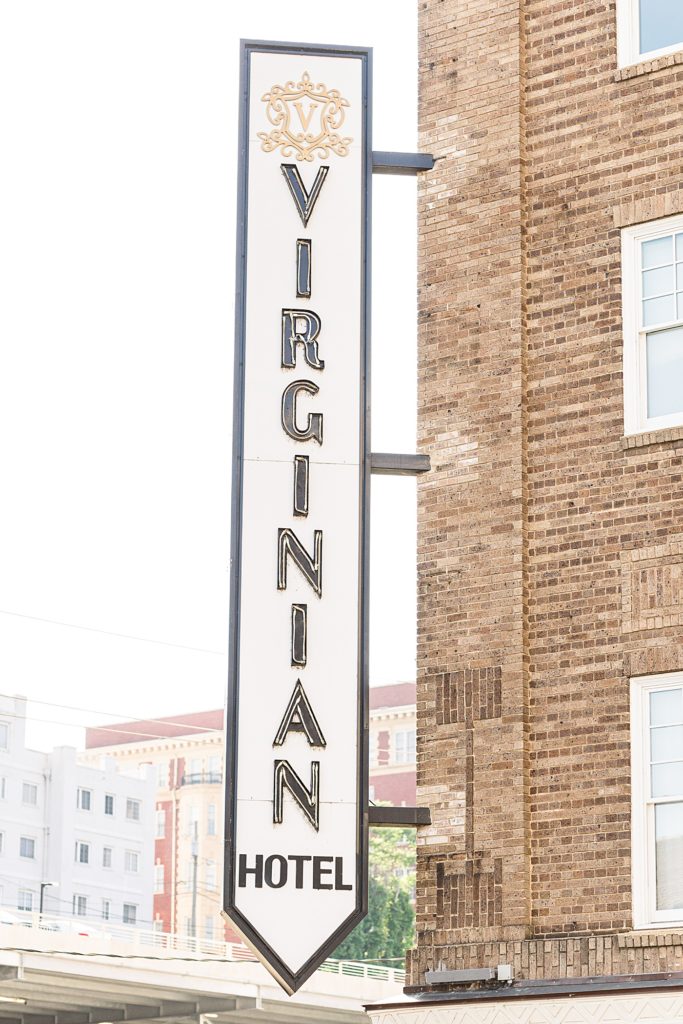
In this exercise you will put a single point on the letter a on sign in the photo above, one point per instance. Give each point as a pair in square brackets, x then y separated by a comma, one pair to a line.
[296, 758]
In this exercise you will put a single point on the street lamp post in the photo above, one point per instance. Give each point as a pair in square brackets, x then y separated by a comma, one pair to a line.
[43, 887]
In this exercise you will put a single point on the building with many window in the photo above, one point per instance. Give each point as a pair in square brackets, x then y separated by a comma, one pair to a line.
[75, 838]
[550, 527]
[185, 755]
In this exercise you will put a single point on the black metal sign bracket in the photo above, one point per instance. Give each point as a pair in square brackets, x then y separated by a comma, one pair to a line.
[401, 163]
[390, 464]
[398, 817]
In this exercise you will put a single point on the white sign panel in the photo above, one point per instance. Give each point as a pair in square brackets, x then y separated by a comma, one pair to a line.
[296, 821]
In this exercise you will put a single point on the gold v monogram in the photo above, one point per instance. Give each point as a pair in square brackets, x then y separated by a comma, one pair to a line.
[305, 119]
[320, 111]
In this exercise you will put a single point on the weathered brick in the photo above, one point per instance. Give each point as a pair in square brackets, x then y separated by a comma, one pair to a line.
[549, 545]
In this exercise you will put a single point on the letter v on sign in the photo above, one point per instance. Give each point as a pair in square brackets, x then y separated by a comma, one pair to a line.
[305, 201]
[304, 118]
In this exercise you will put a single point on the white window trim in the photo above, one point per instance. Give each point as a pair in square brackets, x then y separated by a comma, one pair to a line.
[76, 902]
[32, 788]
[79, 791]
[645, 914]
[127, 907]
[133, 809]
[628, 37]
[25, 896]
[29, 839]
[131, 857]
[82, 844]
[636, 420]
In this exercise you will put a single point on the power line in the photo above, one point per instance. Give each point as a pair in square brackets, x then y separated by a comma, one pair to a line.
[130, 956]
[111, 714]
[109, 632]
[100, 728]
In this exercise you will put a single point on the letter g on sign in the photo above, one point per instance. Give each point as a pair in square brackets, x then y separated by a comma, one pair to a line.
[314, 424]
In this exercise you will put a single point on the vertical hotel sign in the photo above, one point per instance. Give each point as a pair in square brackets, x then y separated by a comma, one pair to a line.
[296, 818]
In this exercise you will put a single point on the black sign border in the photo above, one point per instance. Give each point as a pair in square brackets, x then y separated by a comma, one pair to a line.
[293, 981]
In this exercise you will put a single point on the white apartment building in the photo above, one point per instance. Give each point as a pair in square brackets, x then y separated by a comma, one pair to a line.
[81, 836]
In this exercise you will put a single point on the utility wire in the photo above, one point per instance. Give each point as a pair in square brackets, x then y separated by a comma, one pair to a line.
[100, 728]
[112, 714]
[129, 956]
[109, 632]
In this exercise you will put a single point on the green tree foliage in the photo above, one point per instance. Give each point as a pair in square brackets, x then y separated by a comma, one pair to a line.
[388, 929]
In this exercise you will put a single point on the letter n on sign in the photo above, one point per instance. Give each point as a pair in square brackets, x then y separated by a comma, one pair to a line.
[296, 760]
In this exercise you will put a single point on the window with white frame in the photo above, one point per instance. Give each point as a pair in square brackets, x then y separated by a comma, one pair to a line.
[29, 793]
[209, 927]
[160, 824]
[404, 746]
[211, 819]
[131, 861]
[132, 809]
[652, 302]
[192, 820]
[24, 899]
[108, 803]
[130, 913]
[158, 878]
[657, 794]
[27, 847]
[106, 909]
[80, 905]
[162, 775]
[3, 787]
[210, 875]
[107, 854]
[647, 29]
[82, 852]
[83, 799]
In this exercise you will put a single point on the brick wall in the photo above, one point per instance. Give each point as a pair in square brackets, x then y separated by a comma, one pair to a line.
[396, 788]
[538, 520]
[163, 854]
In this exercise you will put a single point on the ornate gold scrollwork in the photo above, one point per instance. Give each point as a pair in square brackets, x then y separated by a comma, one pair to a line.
[320, 113]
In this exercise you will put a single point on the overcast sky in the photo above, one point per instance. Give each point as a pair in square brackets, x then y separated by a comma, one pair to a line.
[118, 127]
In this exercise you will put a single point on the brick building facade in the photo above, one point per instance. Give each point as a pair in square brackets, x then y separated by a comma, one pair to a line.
[550, 653]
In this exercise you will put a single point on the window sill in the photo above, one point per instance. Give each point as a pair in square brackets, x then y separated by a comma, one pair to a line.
[646, 67]
[652, 935]
[652, 437]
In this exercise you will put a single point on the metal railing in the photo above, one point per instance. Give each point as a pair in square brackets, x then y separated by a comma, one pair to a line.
[199, 778]
[141, 941]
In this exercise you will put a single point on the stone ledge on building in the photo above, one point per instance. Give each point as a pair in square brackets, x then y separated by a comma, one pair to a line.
[646, 67]
[574, 956]
[652, 437]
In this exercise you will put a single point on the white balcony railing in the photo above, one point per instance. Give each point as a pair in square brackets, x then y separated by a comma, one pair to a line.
[153, 943]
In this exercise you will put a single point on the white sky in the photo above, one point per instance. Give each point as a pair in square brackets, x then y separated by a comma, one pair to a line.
[118, 130]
